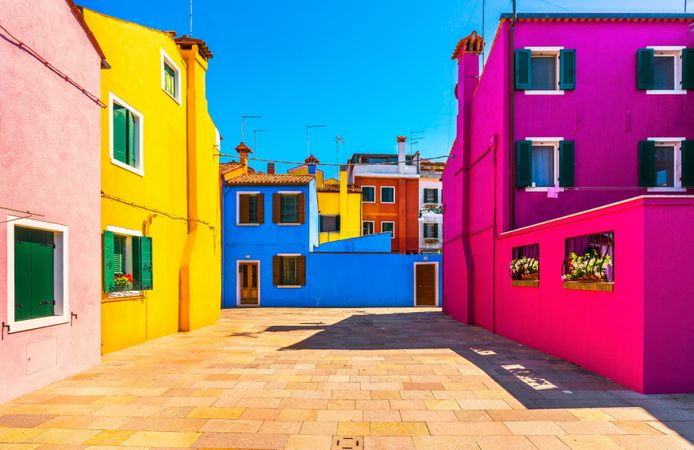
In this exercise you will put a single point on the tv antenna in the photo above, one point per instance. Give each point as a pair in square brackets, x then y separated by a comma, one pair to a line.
[338, 140]
[255, 138]
[308, 137]
[191, 18]
[243, 120]
[415, 137]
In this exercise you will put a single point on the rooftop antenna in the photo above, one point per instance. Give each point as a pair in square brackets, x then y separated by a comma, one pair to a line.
[243, 119]
[255, 138]
[414, 138]
[308, 137]
[338, 141]
[191, 18]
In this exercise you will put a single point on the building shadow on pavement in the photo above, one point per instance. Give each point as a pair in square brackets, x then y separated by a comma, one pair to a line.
[535, 379]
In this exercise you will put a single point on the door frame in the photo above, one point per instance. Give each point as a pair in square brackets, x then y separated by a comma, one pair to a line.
[436, 281]
[238, 281]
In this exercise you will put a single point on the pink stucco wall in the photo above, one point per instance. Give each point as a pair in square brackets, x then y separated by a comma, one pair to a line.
[49, 137]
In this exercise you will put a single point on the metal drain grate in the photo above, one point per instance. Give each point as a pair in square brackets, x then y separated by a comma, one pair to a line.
[348, 443]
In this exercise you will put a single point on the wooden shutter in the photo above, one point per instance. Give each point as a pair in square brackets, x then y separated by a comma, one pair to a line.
[688, 68]
[524, 161]
[567, 69]
[566, 163]
[120, 133]
[243, 208]
[45, 284]
[131, 144]
[523, 72]
[644, 71]
[276, 269]
[436, 230]
[276, 207]
[301, 207]
[301, 269]
[108, 261]
[646, 163]
[22, 278]
[260, 208]
[436, 196]
[687, 163]
[142, 262]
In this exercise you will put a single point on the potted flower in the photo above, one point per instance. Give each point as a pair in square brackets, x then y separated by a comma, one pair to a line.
[525, 268]
[123, 281]
[590, 267]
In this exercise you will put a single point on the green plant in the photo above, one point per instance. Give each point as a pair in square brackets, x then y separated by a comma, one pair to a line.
[524, 265]
[590, 266]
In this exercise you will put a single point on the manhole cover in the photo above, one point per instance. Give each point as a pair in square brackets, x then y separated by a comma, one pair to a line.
[347, 443]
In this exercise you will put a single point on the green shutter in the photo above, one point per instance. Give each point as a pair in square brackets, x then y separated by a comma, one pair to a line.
[524, 161]
[132, 138]
[108, 261]
[523, 72]
[119, 252]
[142, 262]
[567, 67]
[22, 279]
[646, 163]
[120, 133]
[169, 80]
[46, 286]
[688, 163]
[566, 163]
[644, 71]
[688, 68]
[34, 274]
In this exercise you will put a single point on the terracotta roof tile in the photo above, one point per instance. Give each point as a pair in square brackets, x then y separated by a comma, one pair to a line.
[473, 43]
[204, 50]
[271, 180]
[228, 167]
[311, 160]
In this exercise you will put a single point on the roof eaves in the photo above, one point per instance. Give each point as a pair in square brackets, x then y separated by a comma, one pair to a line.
[600, 16]
[77, 13]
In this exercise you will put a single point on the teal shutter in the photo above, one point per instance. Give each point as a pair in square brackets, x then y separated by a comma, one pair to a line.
[566, 163]
[687, 163]
[524, 161]
[522, 72]
[132, 136]
[320, 220]
[688, 68]
[22, 279]
[567, 69]
[644, 71]
[108, 261]
[45, 284]
[646, 163]
[120, 133]
[142, 262]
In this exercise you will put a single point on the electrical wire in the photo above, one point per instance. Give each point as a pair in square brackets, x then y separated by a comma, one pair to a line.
[15, 41]
[297, 163]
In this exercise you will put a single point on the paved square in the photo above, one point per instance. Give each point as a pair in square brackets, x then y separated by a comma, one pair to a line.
[302, 378]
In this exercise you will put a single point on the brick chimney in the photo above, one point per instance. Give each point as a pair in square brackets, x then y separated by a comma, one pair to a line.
[243, 152]
[271, 168]
[402, 156]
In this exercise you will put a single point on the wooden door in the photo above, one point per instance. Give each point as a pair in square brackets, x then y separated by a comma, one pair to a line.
[425, 282]
[248, 277]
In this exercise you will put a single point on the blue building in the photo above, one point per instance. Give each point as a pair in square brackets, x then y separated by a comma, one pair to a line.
[272, 256]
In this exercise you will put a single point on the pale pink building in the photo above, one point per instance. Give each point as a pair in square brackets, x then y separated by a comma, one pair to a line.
[50, 254]
[578, 137]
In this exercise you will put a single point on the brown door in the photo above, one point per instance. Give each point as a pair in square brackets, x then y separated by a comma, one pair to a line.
[425, 281]
[248, 276]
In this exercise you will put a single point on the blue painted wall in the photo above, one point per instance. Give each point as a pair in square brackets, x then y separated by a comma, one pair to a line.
[374, 243]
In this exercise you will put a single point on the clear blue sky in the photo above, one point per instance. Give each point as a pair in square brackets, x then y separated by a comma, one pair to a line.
[367, 69]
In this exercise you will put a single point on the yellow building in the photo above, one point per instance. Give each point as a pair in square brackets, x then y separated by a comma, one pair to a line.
[160, 185]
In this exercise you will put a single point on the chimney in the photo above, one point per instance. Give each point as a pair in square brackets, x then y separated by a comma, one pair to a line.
[243, 152]
[311, 162]
[271, 168]
[344, 189]
[402, 158]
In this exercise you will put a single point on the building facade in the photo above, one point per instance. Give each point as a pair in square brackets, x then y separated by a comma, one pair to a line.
[571, 144]
[430, 207]
[49, 268]
[160, 205]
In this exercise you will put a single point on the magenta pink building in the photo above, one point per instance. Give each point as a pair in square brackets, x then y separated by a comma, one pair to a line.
[578, 138]
[50, 257]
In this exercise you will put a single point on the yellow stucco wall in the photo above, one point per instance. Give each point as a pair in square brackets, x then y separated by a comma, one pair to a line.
[347, 206]
[160, 194]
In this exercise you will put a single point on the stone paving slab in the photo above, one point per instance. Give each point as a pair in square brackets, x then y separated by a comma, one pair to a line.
[398, 378]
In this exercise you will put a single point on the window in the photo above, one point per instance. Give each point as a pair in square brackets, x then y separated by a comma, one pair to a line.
[431, 231]
[368, 194]
[367, 227]
[388, 227]
[545, 70]
[525, 264]
[126, 136]
[127, 262]
[170, 77]
[431, 196]
[544, 162]
[289, 270]
[250, 209]
[329, 223]
[589, 259]
[665, 70]
[37, 274]
[288, 208]
[666, 163]
[387, 194]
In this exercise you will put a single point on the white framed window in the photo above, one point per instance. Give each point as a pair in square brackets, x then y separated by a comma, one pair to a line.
[430, 230]
[545, 69]
[387, 194]
[388, 227]
[667, 70]
[544, 163]
[430, 196]
[170, 77]
[126, 135]
[667, 164]
[249, 208]
[367, 227]
[368, 194]
[289, 270]
[37, 274]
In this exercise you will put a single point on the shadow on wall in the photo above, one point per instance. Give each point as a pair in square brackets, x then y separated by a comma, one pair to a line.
[535, 379]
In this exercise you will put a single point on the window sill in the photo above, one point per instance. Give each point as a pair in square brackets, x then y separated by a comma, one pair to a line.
[288, 287]
[388, 203]
[589, 286]
[32, 324]
[127, 167]
[532, 92]
[543, 189]
[667, 189]
[363, 201]
[177, 100]
[125, 294]
[526, 283]
[666, 92]
[289, 224]
[248, 224]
